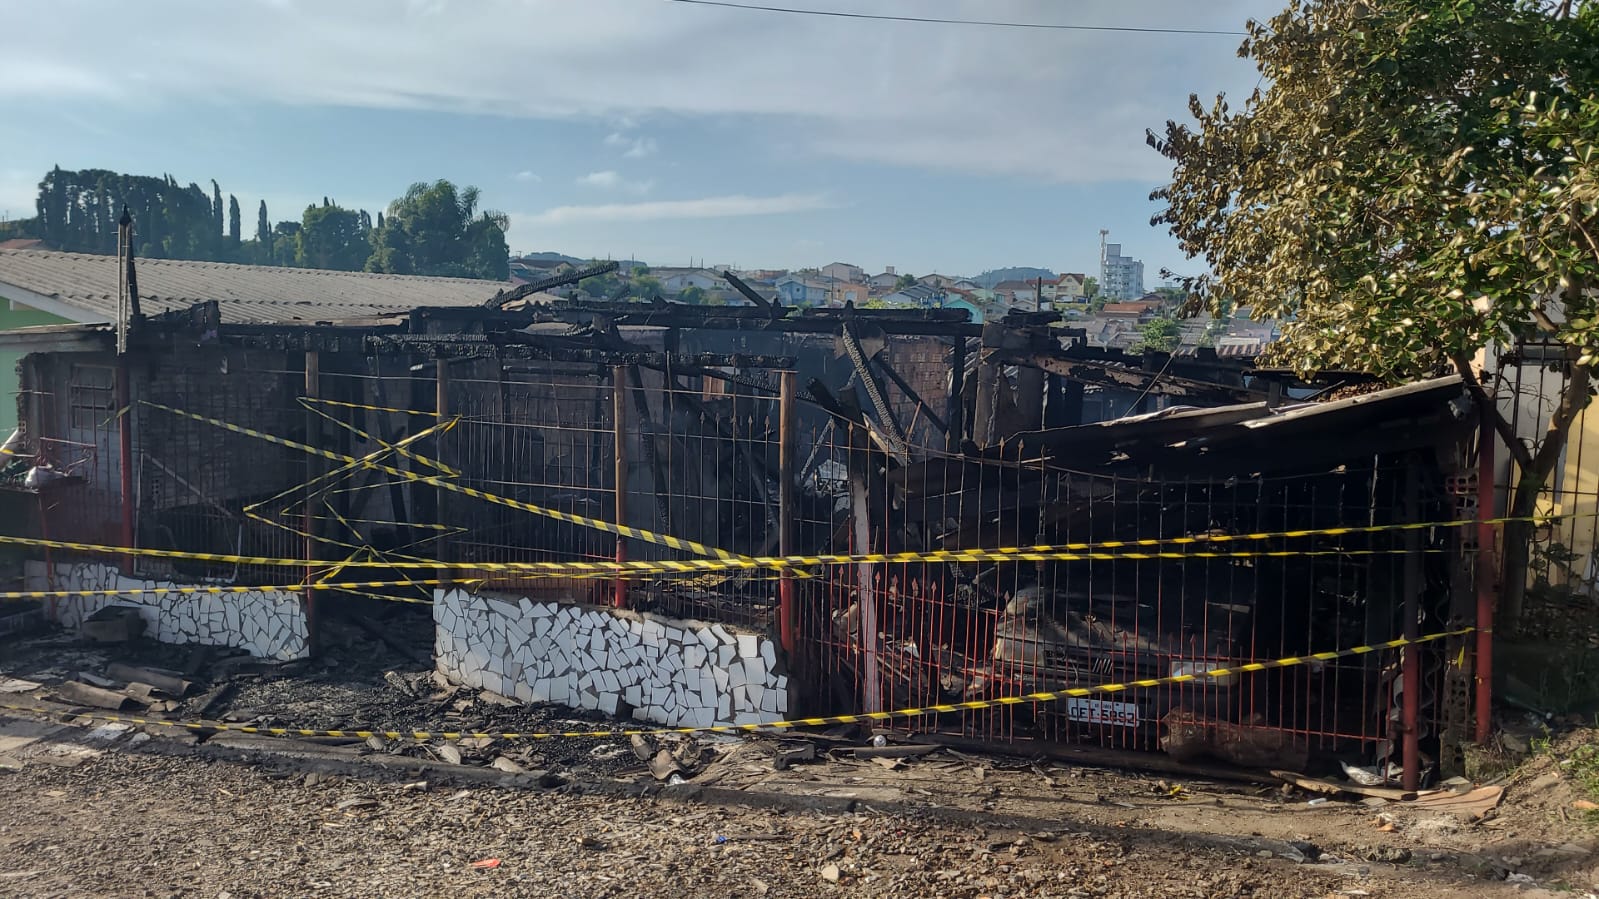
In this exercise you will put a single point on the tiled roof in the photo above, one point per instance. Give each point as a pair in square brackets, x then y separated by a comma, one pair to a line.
[246, 293]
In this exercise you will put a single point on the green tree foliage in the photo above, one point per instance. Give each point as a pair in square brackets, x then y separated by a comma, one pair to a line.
[436, 229]
[234, 222]
[645, 288]
[78, 211]
[1419, 178]
[1090, 288]
[333, 237]
[1159, 335]
[904, 281]
[692, 294]
[263, 226]
[285, 246]
[216, 205]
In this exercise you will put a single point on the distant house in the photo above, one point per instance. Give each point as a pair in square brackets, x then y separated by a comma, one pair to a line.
[1018, 294]
[814, 290]
[1066, 288]
[888, 280]
[937, 281]
[917, 295]
[843, 271]
[1135, 310]
[677, 280]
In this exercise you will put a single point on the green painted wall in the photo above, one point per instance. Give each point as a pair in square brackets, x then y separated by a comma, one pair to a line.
[15, 316]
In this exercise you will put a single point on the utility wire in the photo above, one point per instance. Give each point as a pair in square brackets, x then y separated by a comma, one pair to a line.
[934, 21]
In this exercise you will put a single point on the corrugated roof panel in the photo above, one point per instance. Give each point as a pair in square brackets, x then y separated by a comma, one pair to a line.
[246, 293]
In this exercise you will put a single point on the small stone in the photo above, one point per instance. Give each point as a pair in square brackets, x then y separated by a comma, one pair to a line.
[831, 874]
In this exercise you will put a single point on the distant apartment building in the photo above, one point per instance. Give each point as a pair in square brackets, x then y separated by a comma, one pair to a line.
[843, 271]
[1120, 277]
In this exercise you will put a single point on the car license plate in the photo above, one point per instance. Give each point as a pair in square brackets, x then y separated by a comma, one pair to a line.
[1102, 711]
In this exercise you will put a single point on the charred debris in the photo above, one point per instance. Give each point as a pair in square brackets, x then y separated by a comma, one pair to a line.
[763, 430]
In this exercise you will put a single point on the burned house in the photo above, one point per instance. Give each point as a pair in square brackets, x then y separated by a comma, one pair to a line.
[731, 515]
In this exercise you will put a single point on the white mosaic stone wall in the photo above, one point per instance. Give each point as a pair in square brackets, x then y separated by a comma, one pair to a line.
[673, 673]
[265, 624]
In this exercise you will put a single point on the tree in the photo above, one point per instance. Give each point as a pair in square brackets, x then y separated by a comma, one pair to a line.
[904, 281]
[436, 229]
[234, 222]
[646, 288]
[263, 227]
[1418, 180]
[331, 237]
[692, 294]
[216, 209]
[1160, 335]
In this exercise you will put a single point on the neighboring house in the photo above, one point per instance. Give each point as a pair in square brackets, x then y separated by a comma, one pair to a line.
[957, 301]
[43, 287]
[937, 281]
[21, 243]
[843, 271]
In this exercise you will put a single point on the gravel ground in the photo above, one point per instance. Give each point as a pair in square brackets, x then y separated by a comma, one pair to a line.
[135, 824]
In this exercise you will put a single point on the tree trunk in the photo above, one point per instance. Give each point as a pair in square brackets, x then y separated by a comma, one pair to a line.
[1524, 502]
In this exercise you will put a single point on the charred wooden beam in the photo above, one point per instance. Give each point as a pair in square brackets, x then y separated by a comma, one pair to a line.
[911, 394]
[1130, 379]
[769, 306]
[526, 290]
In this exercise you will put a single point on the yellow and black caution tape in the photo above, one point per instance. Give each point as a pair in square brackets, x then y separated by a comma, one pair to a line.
[668, 566]
[343, 405]
[234, 588]
[853, 718]
[640, 534]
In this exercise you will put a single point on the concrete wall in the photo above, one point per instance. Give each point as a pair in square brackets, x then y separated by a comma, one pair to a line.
[268, 625]
[669, 672]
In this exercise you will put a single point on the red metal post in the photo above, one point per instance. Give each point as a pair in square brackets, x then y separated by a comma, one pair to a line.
[619, 441]
[787, 453]
[1410, 656]
[1484, 668]
[125, 453]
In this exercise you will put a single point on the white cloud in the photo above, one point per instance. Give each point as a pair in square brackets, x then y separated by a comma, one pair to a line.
[610, 180]
[528, 177]
[733, 206]
[1045, 105]
[635, 147]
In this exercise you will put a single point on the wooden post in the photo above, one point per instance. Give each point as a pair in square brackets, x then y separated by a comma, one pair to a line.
[125, 454]
[441, 411]
[865, 597]
[619, 439]
[956, 414]
[988, 377]
[787, 455]
[313, 437]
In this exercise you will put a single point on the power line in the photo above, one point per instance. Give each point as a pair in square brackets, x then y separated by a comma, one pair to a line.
[933, 21]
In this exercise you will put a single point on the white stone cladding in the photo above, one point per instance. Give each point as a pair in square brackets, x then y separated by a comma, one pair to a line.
[269, 625]
[668, 672]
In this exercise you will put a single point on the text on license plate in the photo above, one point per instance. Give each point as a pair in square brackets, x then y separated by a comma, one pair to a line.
[1102, 711]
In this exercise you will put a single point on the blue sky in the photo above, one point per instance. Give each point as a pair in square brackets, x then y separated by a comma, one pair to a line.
[645, 128]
